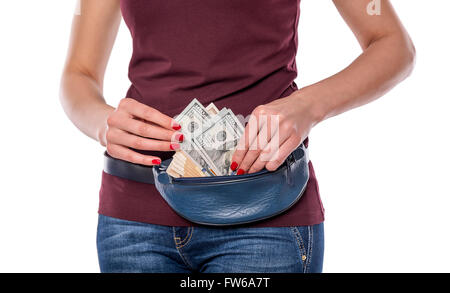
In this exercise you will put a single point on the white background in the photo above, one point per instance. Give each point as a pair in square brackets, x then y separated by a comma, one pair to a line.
[383, 169]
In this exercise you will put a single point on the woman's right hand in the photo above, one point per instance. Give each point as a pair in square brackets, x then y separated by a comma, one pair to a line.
[136, 125]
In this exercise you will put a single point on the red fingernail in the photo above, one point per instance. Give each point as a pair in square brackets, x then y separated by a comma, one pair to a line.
[180, 137]
[156, 161]
[233, 166]
[176, 126]
[174, 146]
[240, 172]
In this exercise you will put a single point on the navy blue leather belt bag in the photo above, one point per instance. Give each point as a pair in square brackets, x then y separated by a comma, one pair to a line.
[224, 200]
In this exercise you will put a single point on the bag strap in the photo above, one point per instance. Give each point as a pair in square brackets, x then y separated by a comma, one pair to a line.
[144, 174]
[127, 170]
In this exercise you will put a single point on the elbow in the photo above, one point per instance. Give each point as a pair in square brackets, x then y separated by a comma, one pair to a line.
[409, 53]
[62, 89]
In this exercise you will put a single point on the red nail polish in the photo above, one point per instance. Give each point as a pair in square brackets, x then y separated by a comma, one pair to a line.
[233, 166]
[156, 161]
[174, 146]
[180, 137]
[176, 126]
[240, 172]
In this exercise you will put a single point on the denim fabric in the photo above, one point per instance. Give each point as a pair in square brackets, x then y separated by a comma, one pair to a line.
[127, 246]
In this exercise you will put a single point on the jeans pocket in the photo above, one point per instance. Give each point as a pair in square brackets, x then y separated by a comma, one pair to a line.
[301, 235]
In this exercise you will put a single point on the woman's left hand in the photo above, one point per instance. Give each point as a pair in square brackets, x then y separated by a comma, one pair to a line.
[274, 130]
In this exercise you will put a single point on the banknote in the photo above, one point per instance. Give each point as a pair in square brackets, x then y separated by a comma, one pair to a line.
[218, 140]
[193, 118]
[212, 109]
[211, 137]
[182, 166]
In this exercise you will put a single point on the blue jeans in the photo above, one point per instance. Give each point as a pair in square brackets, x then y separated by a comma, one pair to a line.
[126, 246]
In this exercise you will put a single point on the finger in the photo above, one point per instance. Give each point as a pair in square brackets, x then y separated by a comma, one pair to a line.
[124, 153]
[259, 143]
[282, 153]
[250, 134]
[277, 139]
[124, 138]
[148, 113]
[149, 131]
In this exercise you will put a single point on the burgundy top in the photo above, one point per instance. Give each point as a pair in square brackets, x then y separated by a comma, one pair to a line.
[237, 54]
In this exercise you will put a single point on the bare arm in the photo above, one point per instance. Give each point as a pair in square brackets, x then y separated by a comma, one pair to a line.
[132, 124]
[93, 35]
[387, 58]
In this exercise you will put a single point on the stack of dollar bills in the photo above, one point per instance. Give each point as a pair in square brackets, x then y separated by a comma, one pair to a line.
[210, 138]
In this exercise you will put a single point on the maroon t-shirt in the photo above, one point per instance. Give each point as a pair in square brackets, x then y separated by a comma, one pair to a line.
[236, 53]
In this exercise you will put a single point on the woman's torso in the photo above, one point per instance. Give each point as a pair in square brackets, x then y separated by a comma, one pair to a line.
[236, 53]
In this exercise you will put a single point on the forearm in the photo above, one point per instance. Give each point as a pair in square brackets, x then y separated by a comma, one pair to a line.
[384, 63]
[82, 99]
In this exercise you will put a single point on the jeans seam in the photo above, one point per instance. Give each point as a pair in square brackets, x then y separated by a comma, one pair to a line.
[178, 240]
[300, 244]
[310, 248]
[186, 262]
[187, 239]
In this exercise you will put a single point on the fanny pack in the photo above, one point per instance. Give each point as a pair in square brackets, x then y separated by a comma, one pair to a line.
[224, 200]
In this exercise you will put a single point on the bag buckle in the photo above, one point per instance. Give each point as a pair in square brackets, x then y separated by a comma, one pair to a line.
[290, 160]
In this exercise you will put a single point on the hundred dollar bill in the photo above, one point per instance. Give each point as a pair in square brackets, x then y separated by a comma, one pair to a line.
[218, 141]
[192, 120]
[182, 165]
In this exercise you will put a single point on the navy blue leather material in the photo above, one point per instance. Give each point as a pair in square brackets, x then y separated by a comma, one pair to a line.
[234, 200]
[127, 170]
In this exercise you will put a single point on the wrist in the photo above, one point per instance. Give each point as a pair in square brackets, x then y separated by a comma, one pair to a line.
[103, 125]
[316, 110]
